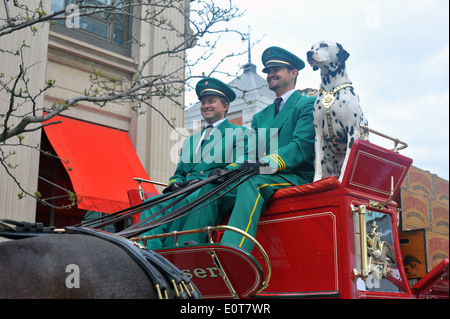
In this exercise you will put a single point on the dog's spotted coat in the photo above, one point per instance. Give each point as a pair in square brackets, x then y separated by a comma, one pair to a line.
[346, 114]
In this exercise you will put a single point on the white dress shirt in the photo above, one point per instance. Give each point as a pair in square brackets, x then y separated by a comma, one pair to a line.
[215, 124]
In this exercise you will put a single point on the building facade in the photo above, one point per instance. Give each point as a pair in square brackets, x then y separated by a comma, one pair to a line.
[68, 55]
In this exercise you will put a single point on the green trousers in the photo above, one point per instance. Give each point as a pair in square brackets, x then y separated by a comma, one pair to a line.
[210, 215]
[249, 200]
[168, 227]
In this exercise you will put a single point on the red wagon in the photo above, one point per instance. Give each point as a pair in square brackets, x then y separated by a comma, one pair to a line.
[327, 239]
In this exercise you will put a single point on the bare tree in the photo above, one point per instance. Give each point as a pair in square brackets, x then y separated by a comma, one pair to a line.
[205, 22]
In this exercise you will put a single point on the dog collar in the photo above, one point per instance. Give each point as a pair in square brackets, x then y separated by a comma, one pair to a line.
[327, 101]
[328, 97]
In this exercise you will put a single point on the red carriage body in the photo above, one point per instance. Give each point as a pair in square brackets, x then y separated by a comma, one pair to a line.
[327, 239]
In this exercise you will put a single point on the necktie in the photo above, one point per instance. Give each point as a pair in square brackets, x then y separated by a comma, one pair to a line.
[277, 105]
[208, 130]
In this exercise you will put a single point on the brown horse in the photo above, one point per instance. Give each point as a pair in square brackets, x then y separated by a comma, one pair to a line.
[83, 266]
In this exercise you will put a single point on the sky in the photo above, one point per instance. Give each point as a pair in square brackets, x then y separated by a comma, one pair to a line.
[399, 61]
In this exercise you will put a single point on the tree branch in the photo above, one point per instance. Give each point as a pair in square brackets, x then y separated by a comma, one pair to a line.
[205, 23]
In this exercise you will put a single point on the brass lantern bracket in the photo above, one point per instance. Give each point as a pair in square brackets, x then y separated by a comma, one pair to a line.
[361, 211]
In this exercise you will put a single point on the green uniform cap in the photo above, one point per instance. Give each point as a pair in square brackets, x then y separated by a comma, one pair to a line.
[211, 86]
[275, 56]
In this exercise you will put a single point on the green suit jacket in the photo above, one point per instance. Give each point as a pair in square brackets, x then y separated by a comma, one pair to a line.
[226, 146]
[289, 150]
[286, 142]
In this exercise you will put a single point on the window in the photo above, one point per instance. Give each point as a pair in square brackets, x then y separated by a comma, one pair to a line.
[108, 30]
[379, 230]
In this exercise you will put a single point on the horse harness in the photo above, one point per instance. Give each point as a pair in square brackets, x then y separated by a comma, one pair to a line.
[152, 263]
[159, 270]
[327, 101]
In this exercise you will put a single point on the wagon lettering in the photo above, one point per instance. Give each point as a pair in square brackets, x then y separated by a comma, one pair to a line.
[207, 272]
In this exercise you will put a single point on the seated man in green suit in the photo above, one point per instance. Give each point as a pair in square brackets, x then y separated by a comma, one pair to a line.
[202, 153]
[289, 120]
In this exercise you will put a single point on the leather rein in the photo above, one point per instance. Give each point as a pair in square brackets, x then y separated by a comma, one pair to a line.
[239, 176]
[162, 273]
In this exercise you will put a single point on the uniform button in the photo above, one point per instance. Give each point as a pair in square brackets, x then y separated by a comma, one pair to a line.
[201, 173]
[188, 174]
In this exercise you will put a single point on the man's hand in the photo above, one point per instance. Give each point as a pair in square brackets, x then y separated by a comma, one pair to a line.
[176, 186]
[218, 172]
[252, 166]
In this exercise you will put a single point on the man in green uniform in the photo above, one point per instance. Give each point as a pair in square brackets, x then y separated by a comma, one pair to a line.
[202, 152]
[288, 121]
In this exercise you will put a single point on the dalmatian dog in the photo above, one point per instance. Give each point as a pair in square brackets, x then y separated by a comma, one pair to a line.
[337, 113]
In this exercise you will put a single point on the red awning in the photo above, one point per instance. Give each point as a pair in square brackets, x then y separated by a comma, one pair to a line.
[103, 163]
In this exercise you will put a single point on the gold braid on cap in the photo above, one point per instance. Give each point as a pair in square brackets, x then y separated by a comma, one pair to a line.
[213, 91]
[279, 61]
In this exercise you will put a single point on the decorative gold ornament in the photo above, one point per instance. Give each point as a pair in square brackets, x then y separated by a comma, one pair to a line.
[328, 100]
